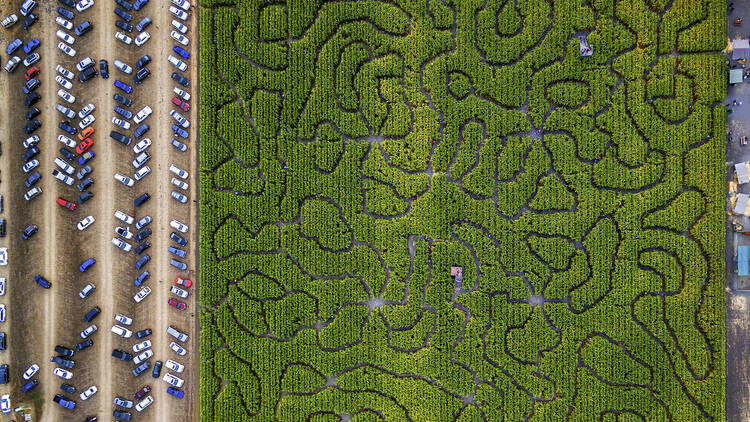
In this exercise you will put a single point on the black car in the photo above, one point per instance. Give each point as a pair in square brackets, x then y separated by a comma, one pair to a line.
[180, 79]
[30, 153]
[142, 247]
[122, 355]
[104, 68]
[124, 25]
[32, 126]
[30, 85]
[93, 313]
[143, 333]
[70, 155]
[84, 184]
[67, 388]
[30, 20]
[29, 231]
[143, 61]
[65, 363]
[87, 75]
[141, 235]
[69, 3]
[91, 419]
[141, 368]
[35, 176]
[85, 197]
[3, 344]
[157, 369]
[84, 344]
[119, 137]
[123, 14]
[121, 414]
[4, 374]
[141, 199]
[2, 227]
[33, 112]
[67, 14]
[83, 28]
[32, 99]
[145, 22]
[124, 4]
[141, 75]
[62, 350]
[178, 239]
[65, 125]
[123, 100]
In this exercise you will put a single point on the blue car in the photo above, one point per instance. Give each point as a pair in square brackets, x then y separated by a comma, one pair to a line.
[32, 179]
[180, 131]
[42, 281]
[123, 86]
[181, 51]
[70, 129]
[85, 157]
[85, 265]
[123, 112]
[141, 130]
[177, 251]
[67, 14]
[29, 386]
[13, 46]
[175, 392]
[29, 231]
[31, 46]
[139, 4]
[143, 261]
[142, 278]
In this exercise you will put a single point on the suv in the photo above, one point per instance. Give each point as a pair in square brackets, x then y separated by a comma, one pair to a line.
[87, 75]
[145, 22]
[143, 61]
[93, 313]
[119, 137]
[141, 199]
[142, 279]
[141, 75]
[104, 69]
[122, 355]
[124, 25]
[141, 368]
[83, 28]
[4, 374]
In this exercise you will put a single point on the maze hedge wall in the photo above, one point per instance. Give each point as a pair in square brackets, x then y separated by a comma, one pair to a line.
[352, 152]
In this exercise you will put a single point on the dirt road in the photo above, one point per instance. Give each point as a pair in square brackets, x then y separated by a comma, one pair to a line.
[39, 319]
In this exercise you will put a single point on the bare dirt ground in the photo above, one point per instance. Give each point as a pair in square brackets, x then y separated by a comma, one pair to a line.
[39, 319]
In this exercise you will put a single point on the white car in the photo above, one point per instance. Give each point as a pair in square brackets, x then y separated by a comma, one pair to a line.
[2, 286]
[86, 291]
[86, 121]
[141, 159]
[2, 312]
[85, 223]
[32, 193]
[179, 26]
[64, 23]
[127, 219]
[179, 64]
[31, 59]
[144, 403]
[5, 403]
[124, 38]
[120, 123]
[65, 72]
[145, 344]
[177, 349]
[81, 6]
[182, 174]
[142, 114]
[179, 292]
[122, 67]
[63, 82]
[179, 183]
[183, 4]
[91, 329]
[121, 331]
[65, 111]
[31, 141]
[83, 64]
[57, 174]
[141, 172]
[65, 95]
[3, 256]
[31, 165]
[179, 14]
[86, 110]
[125, 180]
[66, 141]
[62, 373]
[124, 232]
[142, 145]
[142, 294]
[65, 48]
[173, 380]
[65, 37]
[142, 38]
[174, 366]
[148, 354]
[30, 371]
[179, 197]
[64, 166]
[88, 393]
[122, 319]
[179, 226]
[179, 38]
[179, 118]
[181, 93]
[125, 246]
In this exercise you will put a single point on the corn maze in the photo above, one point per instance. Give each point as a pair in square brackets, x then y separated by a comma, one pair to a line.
[354, 152]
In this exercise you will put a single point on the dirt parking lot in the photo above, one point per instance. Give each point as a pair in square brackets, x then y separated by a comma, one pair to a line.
[39, 319]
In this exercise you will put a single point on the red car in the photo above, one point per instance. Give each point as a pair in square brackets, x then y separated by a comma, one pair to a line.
[86, 133]
[84, 145]
[177, 304]
[181, 104]
[67, 204]
[31, 72]
[142, 392]
[183, 282]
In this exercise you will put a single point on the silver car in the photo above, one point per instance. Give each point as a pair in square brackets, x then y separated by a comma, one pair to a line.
[177, 196]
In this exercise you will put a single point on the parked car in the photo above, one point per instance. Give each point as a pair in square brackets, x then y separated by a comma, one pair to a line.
[178, 13]
[31, 45]
[85, 344]
[143, 24]
[104, 69]
[138, 371]
[173, 380]
[122, 319]
[123, 37]
[142, 38]
[30, 371]
[29, 21]
[66, 204]
[61, 361]
[179, 26]
[142, 277]
[63, 177]
[180, 79]
[86, 291]
[177, 349]
[124, 26]
[85, 223]
[181, 93]
[142, 115]
[65, 126]
[139, 4]
[86, 394]
[125, 218]
[121, 331]
[143, 61]
[141, 199]
[86, 133]
[62, 373]
[31, 99]
[85, 197]
[177, 304]
[119, 137]
[124, 179]
[175, 392]
[179, 292]
[179, 226]
[30, 165]
[144, 292]
[33, 192]
[180, 103]
[142, 392]
[123, 14]
[122, 355]
[84, 184]
[143, 357]
[83, 172]
[157, 369]
[29, 231]
[123, 86]
[91, 314]
[32, 179]
[174, 366]
[142, 235]
[182, 133]
[85, 265]
[83, 28]
[142, 247]
[31, 72]
[143, 333]
[65, 402]
[123, 112]
[142, 145]
[177, 264]
[91, 329]
[85, 158]
[179, 145]
[125, 246]
[67, 387]
[141, 75]
[178, 239]
[32, 126]
[122, 67]
[119, 401]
